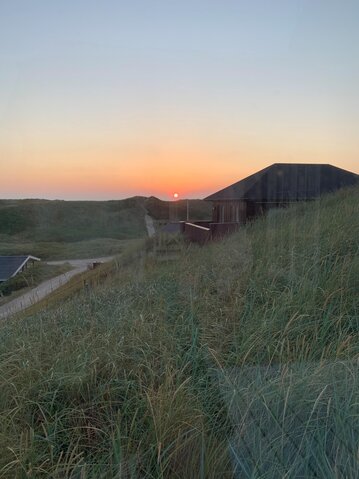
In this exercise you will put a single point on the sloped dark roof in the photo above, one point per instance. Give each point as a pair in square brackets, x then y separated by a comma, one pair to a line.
[288, 181]
[11, 265]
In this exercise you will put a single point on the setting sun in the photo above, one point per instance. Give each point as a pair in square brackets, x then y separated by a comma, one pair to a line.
[138, 100]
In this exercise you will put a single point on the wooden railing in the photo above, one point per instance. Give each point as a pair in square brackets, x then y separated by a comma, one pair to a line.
[196, 233]
[201, 231]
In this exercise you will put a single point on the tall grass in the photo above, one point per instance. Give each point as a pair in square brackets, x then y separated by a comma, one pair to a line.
[148, 374]
[71, 221]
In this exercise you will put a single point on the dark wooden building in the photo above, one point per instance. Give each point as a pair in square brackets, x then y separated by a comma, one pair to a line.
[277, 185]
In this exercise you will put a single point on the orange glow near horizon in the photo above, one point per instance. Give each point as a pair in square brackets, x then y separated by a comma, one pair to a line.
[117, 100]
[69, 172]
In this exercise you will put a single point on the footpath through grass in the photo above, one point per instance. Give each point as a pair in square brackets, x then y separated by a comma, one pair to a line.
[30, 278]
[238, 360]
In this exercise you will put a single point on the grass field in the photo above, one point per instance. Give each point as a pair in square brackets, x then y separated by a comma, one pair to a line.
[238, 360]
[67, 250]
[69, 221]
[83, 229]
[70, 229]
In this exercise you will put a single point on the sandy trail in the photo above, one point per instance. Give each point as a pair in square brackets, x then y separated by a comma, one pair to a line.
[150, 226]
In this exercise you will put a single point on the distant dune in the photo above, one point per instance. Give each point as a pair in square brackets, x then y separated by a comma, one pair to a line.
[44, 220]
[54, 229]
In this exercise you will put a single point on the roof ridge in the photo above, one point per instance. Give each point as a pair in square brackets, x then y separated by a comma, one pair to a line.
[257, 184]
[304, 164]
[260, 173]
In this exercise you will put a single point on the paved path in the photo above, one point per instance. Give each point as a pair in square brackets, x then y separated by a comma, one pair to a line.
[150, 225]
[80, 263]
[44, 289]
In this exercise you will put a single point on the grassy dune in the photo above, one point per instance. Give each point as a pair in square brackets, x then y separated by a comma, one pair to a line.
[47, 250]
[59, 221]
[83, 229]
[240, 358]
[70, 229]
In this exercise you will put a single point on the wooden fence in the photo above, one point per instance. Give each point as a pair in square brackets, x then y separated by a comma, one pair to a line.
[196, 233]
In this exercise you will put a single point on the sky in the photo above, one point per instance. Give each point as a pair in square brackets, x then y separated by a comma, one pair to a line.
[110, 99]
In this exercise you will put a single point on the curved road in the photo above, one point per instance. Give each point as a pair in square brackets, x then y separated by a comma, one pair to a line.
[44, 289]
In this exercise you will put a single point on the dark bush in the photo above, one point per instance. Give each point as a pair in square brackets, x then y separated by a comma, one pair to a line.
[13, 284]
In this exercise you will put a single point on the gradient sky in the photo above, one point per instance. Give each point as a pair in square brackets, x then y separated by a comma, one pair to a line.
[108, 99]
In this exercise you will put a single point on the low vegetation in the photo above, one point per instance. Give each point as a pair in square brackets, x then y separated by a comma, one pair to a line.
[69, 250]
[70, 229]
[238, 360]
[70, 221]
[84, 229]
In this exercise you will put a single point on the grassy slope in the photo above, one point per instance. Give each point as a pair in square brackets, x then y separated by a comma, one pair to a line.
[69, 229]
[82, 229]
[47, 250]
[135, 378]
[59, 221]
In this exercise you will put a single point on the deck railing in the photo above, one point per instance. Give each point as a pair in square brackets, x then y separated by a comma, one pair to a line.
[203, 231]
[196, 233]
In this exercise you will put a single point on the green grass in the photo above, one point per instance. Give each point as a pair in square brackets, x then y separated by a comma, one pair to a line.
[70, 229]
[55, 250]
[241, 356]
[69, 221]
[83, 229]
